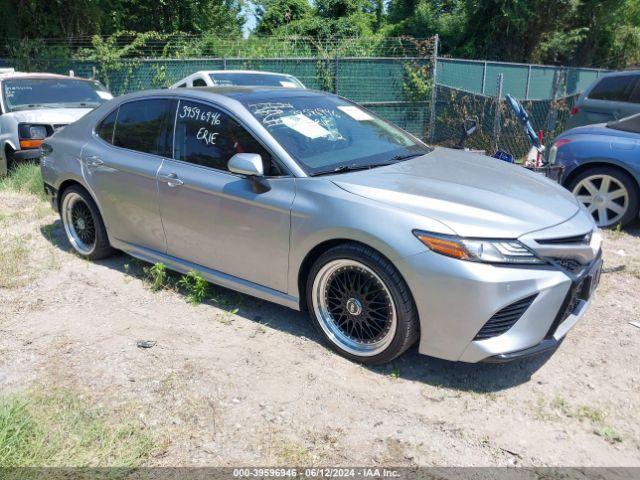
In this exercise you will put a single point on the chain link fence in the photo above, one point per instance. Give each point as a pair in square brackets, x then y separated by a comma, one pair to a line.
[393, 77]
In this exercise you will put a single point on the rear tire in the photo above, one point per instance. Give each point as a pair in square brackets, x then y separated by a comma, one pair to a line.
[83, 224]
[360, 304]
[610, 195]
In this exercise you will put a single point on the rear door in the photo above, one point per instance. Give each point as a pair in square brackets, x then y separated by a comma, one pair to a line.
[120, 164]
[211, 216]
[610, 99]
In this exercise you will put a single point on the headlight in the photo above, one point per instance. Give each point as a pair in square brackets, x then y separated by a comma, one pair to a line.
[553, 152]
[478, 250]
[37, 131]
[31, 136]
[33, 132]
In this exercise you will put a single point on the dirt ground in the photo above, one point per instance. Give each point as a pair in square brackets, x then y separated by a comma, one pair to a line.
[255, 386]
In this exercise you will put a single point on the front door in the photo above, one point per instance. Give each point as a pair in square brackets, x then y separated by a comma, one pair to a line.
[120, 165]
[212, 217]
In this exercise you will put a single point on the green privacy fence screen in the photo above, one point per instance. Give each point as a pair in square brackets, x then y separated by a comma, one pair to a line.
[392, 77]
[395, 87]
[523, 81]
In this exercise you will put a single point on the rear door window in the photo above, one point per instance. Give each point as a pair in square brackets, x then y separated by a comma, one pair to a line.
[207, 136]
[199, 82]
[146, 126]
[614, 89]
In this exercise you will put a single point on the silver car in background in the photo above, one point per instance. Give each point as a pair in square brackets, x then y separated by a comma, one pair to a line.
[238, 78]
[306, 199]
[611, 97]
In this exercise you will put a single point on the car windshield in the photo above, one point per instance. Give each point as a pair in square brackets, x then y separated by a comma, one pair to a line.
[628, 124]
[27, 93]
[326, 134]
[253, 79]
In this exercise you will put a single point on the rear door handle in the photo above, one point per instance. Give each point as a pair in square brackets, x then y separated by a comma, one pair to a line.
[171, 179]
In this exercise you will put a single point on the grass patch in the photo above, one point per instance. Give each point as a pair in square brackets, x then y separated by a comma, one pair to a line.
[14, 271]
[192, 285]
[24, 178]
[608, 433]
[59, 430]
[561, 408]
[157, 276]
[195, 287]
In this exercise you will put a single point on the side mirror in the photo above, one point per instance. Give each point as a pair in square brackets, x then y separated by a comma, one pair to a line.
[250, 164]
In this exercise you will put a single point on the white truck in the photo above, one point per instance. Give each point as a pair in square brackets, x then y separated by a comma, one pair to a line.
[33, 106]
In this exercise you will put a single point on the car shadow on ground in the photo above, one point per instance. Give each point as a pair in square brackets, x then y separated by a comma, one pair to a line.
[479, 378]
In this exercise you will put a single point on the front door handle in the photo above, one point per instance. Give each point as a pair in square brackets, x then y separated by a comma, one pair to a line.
[171, 179]
[93, 161]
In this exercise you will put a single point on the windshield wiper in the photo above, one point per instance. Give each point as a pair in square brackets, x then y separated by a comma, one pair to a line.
[398, 158]
[349, 168]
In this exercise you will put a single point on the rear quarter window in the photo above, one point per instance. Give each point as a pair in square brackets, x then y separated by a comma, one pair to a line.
[145, 126]
[614, 89]
[105, 128]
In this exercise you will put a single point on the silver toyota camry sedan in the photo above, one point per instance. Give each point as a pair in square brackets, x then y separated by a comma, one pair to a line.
[308, 200]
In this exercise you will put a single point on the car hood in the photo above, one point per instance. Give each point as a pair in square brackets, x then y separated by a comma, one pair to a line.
[599, 129]
[50, 116]
[474, 195]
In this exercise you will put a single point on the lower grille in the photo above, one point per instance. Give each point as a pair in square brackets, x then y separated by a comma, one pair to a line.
[504, 319]
[576, 294]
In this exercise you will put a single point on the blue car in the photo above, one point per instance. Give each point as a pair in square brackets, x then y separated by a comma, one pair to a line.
[602, 168]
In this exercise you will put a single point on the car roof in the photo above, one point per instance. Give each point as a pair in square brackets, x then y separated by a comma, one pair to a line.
[238, 93]
[252, 72]
[18, 75]
[619, 74]
[258, 92]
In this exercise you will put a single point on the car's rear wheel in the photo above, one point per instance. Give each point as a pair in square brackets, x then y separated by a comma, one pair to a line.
[361, 305]
[611, 196]
[83, 224]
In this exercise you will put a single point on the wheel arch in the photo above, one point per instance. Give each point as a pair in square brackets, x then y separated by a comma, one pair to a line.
[313, 254]
[69, 182]
[597, 163]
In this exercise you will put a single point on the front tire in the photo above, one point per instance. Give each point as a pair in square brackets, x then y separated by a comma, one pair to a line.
[83, 224]
[360, 304]
[611, 196]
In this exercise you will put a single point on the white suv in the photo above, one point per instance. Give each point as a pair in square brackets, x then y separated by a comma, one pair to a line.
[34, 105]
[251, 78]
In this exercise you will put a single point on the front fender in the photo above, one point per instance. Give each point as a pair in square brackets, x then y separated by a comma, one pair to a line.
[323, 212]
[578, 164]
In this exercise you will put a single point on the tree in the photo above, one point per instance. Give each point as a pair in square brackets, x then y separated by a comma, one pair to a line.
[275, 14]
[221, 17]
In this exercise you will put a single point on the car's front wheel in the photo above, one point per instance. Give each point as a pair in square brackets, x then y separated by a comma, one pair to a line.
[83, 224]
[361, 305]
[611, 196]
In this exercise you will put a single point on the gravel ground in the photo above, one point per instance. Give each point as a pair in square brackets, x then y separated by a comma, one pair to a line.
[241, 381]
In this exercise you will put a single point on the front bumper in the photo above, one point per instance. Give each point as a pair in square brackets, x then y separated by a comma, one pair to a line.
[30, 154]
[455, 299]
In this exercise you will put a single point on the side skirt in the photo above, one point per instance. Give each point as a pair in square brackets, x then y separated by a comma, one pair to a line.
[213, 276]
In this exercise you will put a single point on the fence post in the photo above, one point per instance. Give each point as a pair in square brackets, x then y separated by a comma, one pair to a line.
[552, 114]
[484, 77]
[224, 63]
[434, 88]
[526, 95]
[335, 74]
[496, 117]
